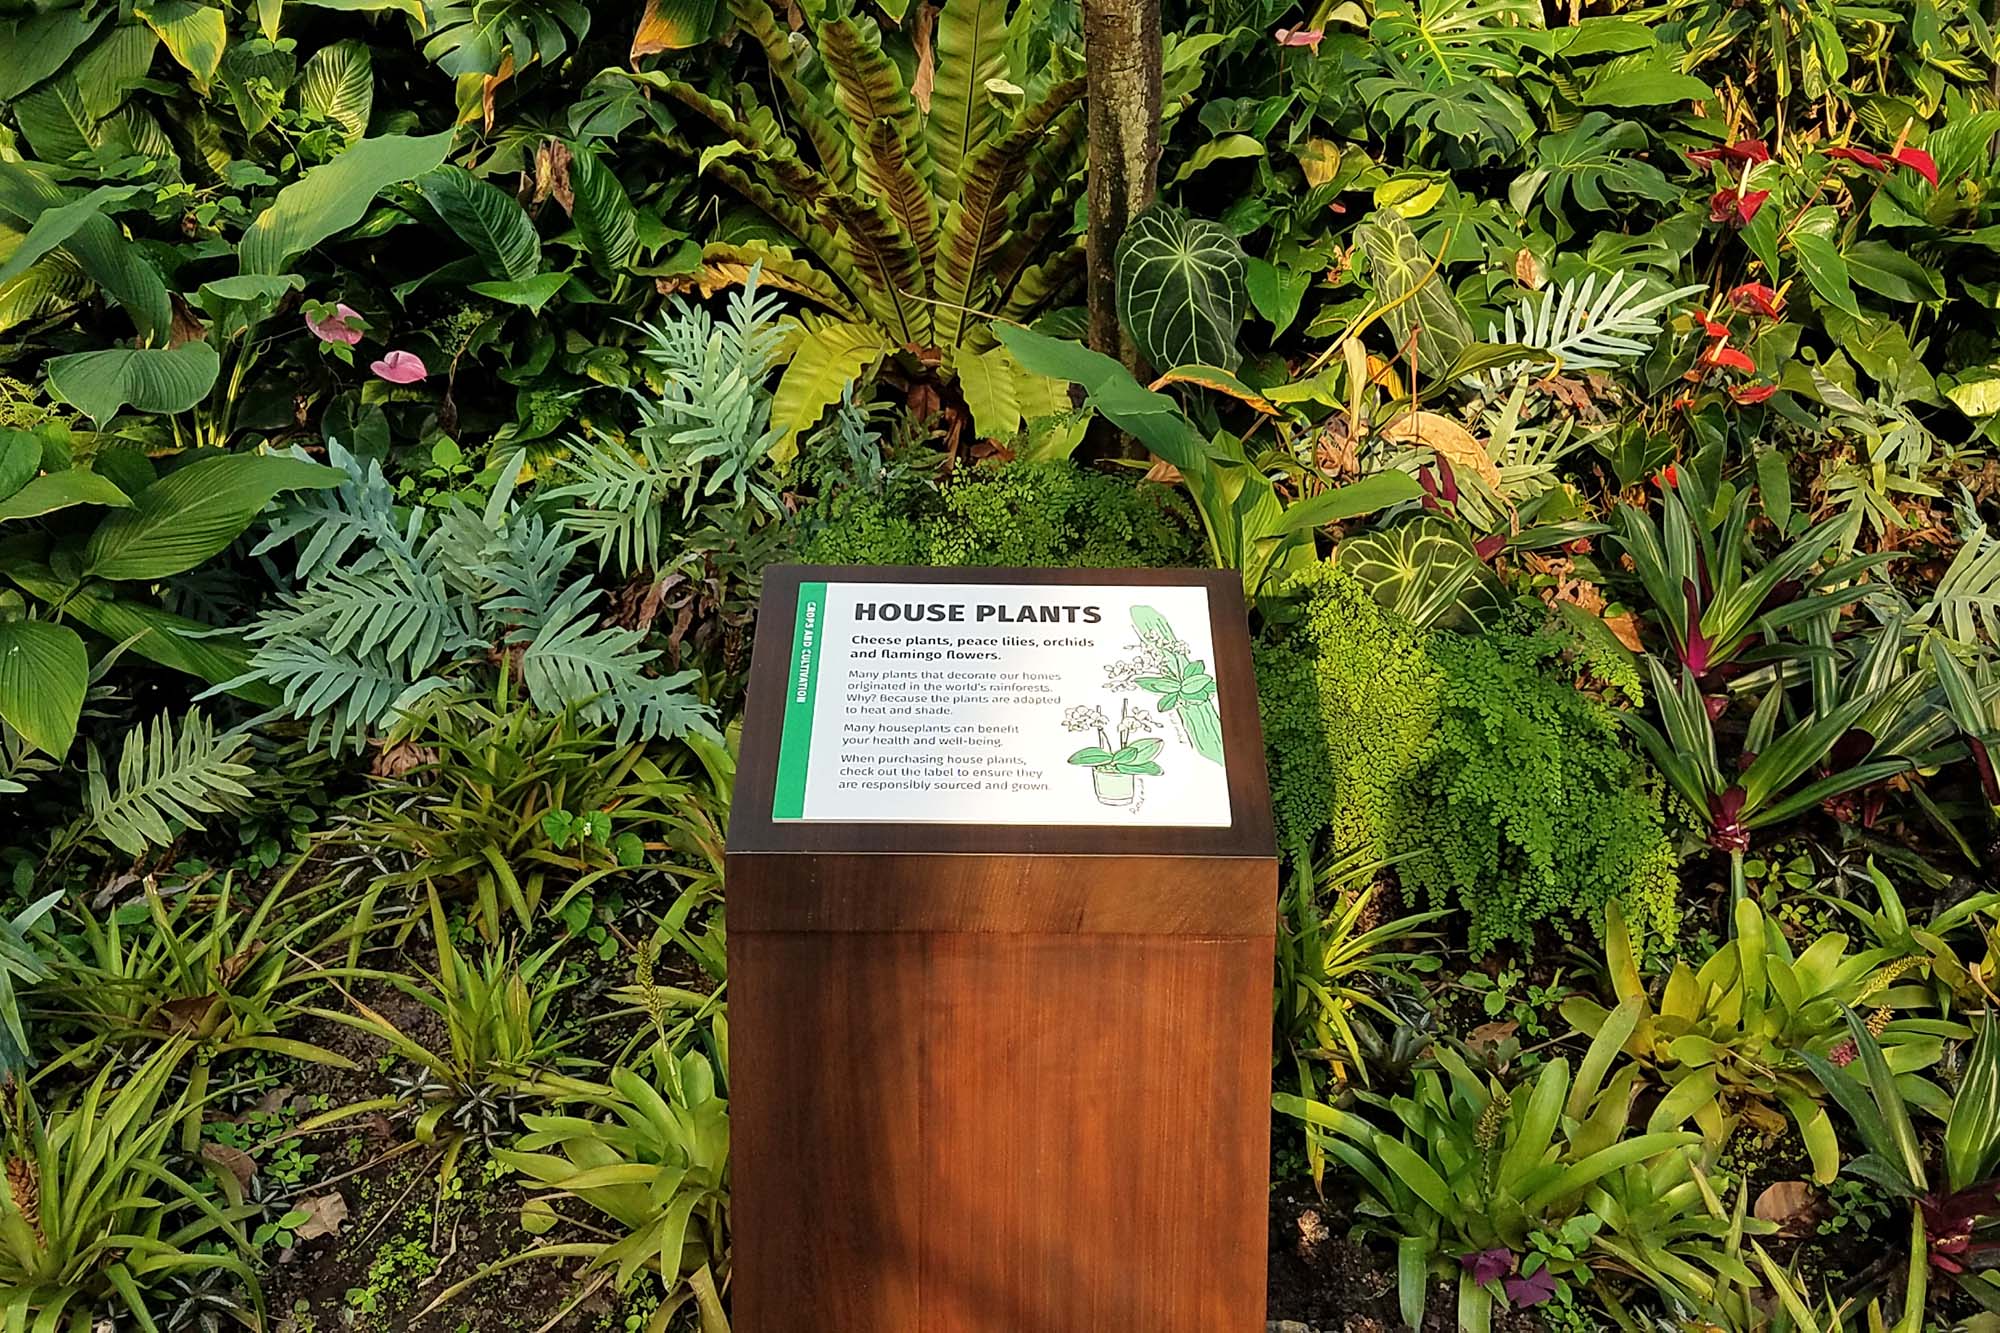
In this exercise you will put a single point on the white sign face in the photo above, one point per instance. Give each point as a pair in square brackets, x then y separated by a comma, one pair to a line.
[981, 703]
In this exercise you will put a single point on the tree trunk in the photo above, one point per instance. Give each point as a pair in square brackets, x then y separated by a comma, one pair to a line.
[1121, 42]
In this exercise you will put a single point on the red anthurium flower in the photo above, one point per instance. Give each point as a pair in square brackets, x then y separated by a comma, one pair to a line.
[1710, 327]
[1724, 357]
[1743, 150]
[1667, 476]
[1752, 393]
[1917, 160]
[1873, 161]
[1757, 299]
[1736, 207]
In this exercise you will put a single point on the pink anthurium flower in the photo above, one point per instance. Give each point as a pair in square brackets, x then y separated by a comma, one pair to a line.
[341, 325]
[1307, 37]
[400, 367]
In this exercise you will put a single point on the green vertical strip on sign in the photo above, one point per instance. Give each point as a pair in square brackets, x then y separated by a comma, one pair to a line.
[795, 741]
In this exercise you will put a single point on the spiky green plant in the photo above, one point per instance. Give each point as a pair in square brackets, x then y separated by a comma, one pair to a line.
[93, 1217]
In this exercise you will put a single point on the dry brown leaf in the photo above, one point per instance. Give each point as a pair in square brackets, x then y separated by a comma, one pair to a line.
[1488, 1036]
[186, 326]
[552, 174]
[1446, 438]
[233, 1160]
[324, 1215]
[1626, 626]
[1528, 269]
[1785, 1201]
[1163, 471]
[926, 75]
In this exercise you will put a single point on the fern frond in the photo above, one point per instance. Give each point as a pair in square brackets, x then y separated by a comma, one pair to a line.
[165, 778]
[600, 672]
[1968, 592]
[362, 509]
[343, 696]
[1587, 328]
[615, 501]
[979, 217]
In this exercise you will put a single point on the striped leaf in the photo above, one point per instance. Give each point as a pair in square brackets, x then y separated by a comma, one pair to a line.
[888, 134]
[980, 214]
[1181, 289]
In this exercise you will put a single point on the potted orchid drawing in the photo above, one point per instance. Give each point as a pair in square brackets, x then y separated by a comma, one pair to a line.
[1116, 764]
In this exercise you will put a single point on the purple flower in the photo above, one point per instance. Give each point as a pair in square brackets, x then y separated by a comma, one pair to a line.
[342, 325]
[1487, 1265]
[1533, 1289]
[400, 367]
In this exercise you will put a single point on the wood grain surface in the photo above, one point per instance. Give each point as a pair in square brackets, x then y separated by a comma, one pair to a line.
[1000, 1079]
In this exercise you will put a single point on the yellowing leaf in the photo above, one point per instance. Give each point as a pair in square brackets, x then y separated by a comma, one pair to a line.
[990, 384]
[1976, 397]
[672, 25]
[1411, 197]
[827, 359]
[1319, 159]
[1446, 438]
[1213, 377]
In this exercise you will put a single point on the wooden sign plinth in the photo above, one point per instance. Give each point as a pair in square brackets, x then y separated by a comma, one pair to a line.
[992, 1077]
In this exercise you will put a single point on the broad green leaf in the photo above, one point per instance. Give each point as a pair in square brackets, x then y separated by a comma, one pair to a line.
[57, 225]
[194, 34]
[1825, 270]
[20, 460]
[334, 196]
[44, 671]
[1888, 271]
[1979, 394]
[150, 379]
[534, 293]
[58, 124]
[1181, 289]
[1413, 293]
[60, 490]
[33, 48]
[194, 512]
[1592, 160]
[113, 262]
[988, 380]
[338, 84]
[1222, 148]
[602, 211]
[486, 218]
[1152, 418]
[672, 25]
[1276, 292]
[827, 360]
[1353, 500]
[1643, 78]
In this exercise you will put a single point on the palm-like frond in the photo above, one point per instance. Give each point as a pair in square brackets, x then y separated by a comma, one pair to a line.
[165, 777]
[362, 509]
[1588, 328]
[570, 662]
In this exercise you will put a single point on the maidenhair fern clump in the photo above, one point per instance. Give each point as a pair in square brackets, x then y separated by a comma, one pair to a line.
[1507, 789]
[389, 610]
[1019, 514]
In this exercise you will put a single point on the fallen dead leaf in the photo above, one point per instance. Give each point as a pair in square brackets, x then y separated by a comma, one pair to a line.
[324, 1215]
[1785, 1202]
[1626, 626]
[233, 1160]
[1445, 438]
[1488, 1036]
